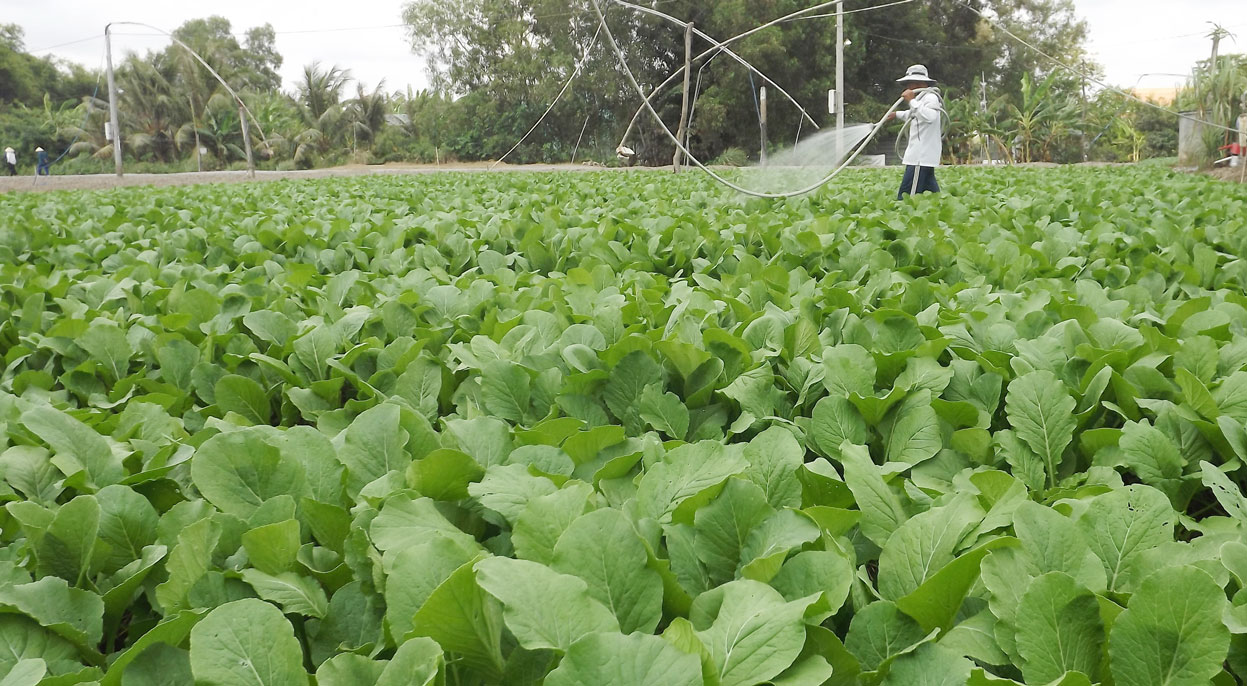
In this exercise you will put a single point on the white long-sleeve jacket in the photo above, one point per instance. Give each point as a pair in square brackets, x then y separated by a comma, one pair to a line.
[925, 135]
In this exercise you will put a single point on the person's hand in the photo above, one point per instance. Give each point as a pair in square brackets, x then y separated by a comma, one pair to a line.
[890, 117]
[908, 94]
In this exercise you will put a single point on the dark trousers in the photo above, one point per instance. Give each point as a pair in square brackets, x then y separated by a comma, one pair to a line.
[926, 181]
[44, 168]
[12, 169]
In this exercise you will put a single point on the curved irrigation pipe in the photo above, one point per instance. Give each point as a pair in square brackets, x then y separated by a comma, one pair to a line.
[575, 72]
[623, 64]
[718, 47]
[243, 105]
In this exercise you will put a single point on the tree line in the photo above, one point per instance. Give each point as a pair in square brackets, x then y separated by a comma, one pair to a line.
[495, 66]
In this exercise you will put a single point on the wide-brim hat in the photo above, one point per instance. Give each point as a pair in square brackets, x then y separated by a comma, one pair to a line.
[8, 149]
[38, 149]
[918, 72]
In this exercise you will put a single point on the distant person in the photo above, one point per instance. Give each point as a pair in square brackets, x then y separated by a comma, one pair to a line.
[924, 121]
[10, 159]
[44, 168]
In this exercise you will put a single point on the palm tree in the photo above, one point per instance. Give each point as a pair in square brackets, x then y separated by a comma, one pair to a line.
[153, 110]
[321, 89]
[367, 111]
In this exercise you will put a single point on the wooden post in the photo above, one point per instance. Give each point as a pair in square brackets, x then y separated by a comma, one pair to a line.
[678, 160]
[246, 140]
[762, 117]
[113, 118]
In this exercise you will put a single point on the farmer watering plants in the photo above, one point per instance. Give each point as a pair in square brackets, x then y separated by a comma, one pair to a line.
[924, 125]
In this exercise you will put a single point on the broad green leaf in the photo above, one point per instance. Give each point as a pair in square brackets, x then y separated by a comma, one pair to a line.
[189, 560]
[67, 549]
[417, 662]
[684, 473]
[464, 620]
[912, 434]
[246, 642]
[769, 544]
[1121, 525]
[604, 550]
[172, 631]
[353, 622]
[882, 509]
[27, 672]
[923, 545]
[929, 665]
[835, 421]
[243, 396]
[274, 327]
[1227, 493]
[545, 518]
[975, 638]
[486, 439]
[73, 614]
[416, 572]
[1025, 465]
[724, 525]
[240, 471]
[543, 608]
[612, 659]
[664, 412]
[774, 456]
[816, 571]
[1058, 629]
[925, 373]
[21, 638]
[506, 389]
[349, 669]
[1171, 633]
[1054, 543]
[1231, 396]
[127, 524]
[1153, 456]
[296, 594]
[75, 446]
[808, 671]
[849, 369]
[444, 474]
[159, 665]
[1041, 411]
[404, 522]
[881, 631]
[937, 600]
[107, 345]
[507, 490]
[374, 445]
[752, 633]
[421, 386]
[272, 548]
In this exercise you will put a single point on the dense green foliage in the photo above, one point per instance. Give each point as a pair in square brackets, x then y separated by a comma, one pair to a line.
[626, 429]
[505, 61]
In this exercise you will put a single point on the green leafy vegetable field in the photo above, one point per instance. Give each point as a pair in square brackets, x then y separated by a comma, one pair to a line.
[626, 429]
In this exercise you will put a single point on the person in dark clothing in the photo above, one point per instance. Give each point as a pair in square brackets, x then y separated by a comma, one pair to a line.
[43, 168]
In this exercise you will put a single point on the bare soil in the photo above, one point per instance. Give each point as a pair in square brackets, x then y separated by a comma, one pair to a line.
[1227, 174]
[105, 181]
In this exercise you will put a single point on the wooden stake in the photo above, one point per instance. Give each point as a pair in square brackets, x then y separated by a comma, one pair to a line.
[678, 159]
[246, 140]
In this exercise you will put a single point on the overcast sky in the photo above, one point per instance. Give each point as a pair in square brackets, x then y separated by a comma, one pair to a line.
[1129, 37]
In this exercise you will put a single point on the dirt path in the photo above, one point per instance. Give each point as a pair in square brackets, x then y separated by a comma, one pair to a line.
[103, 181]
